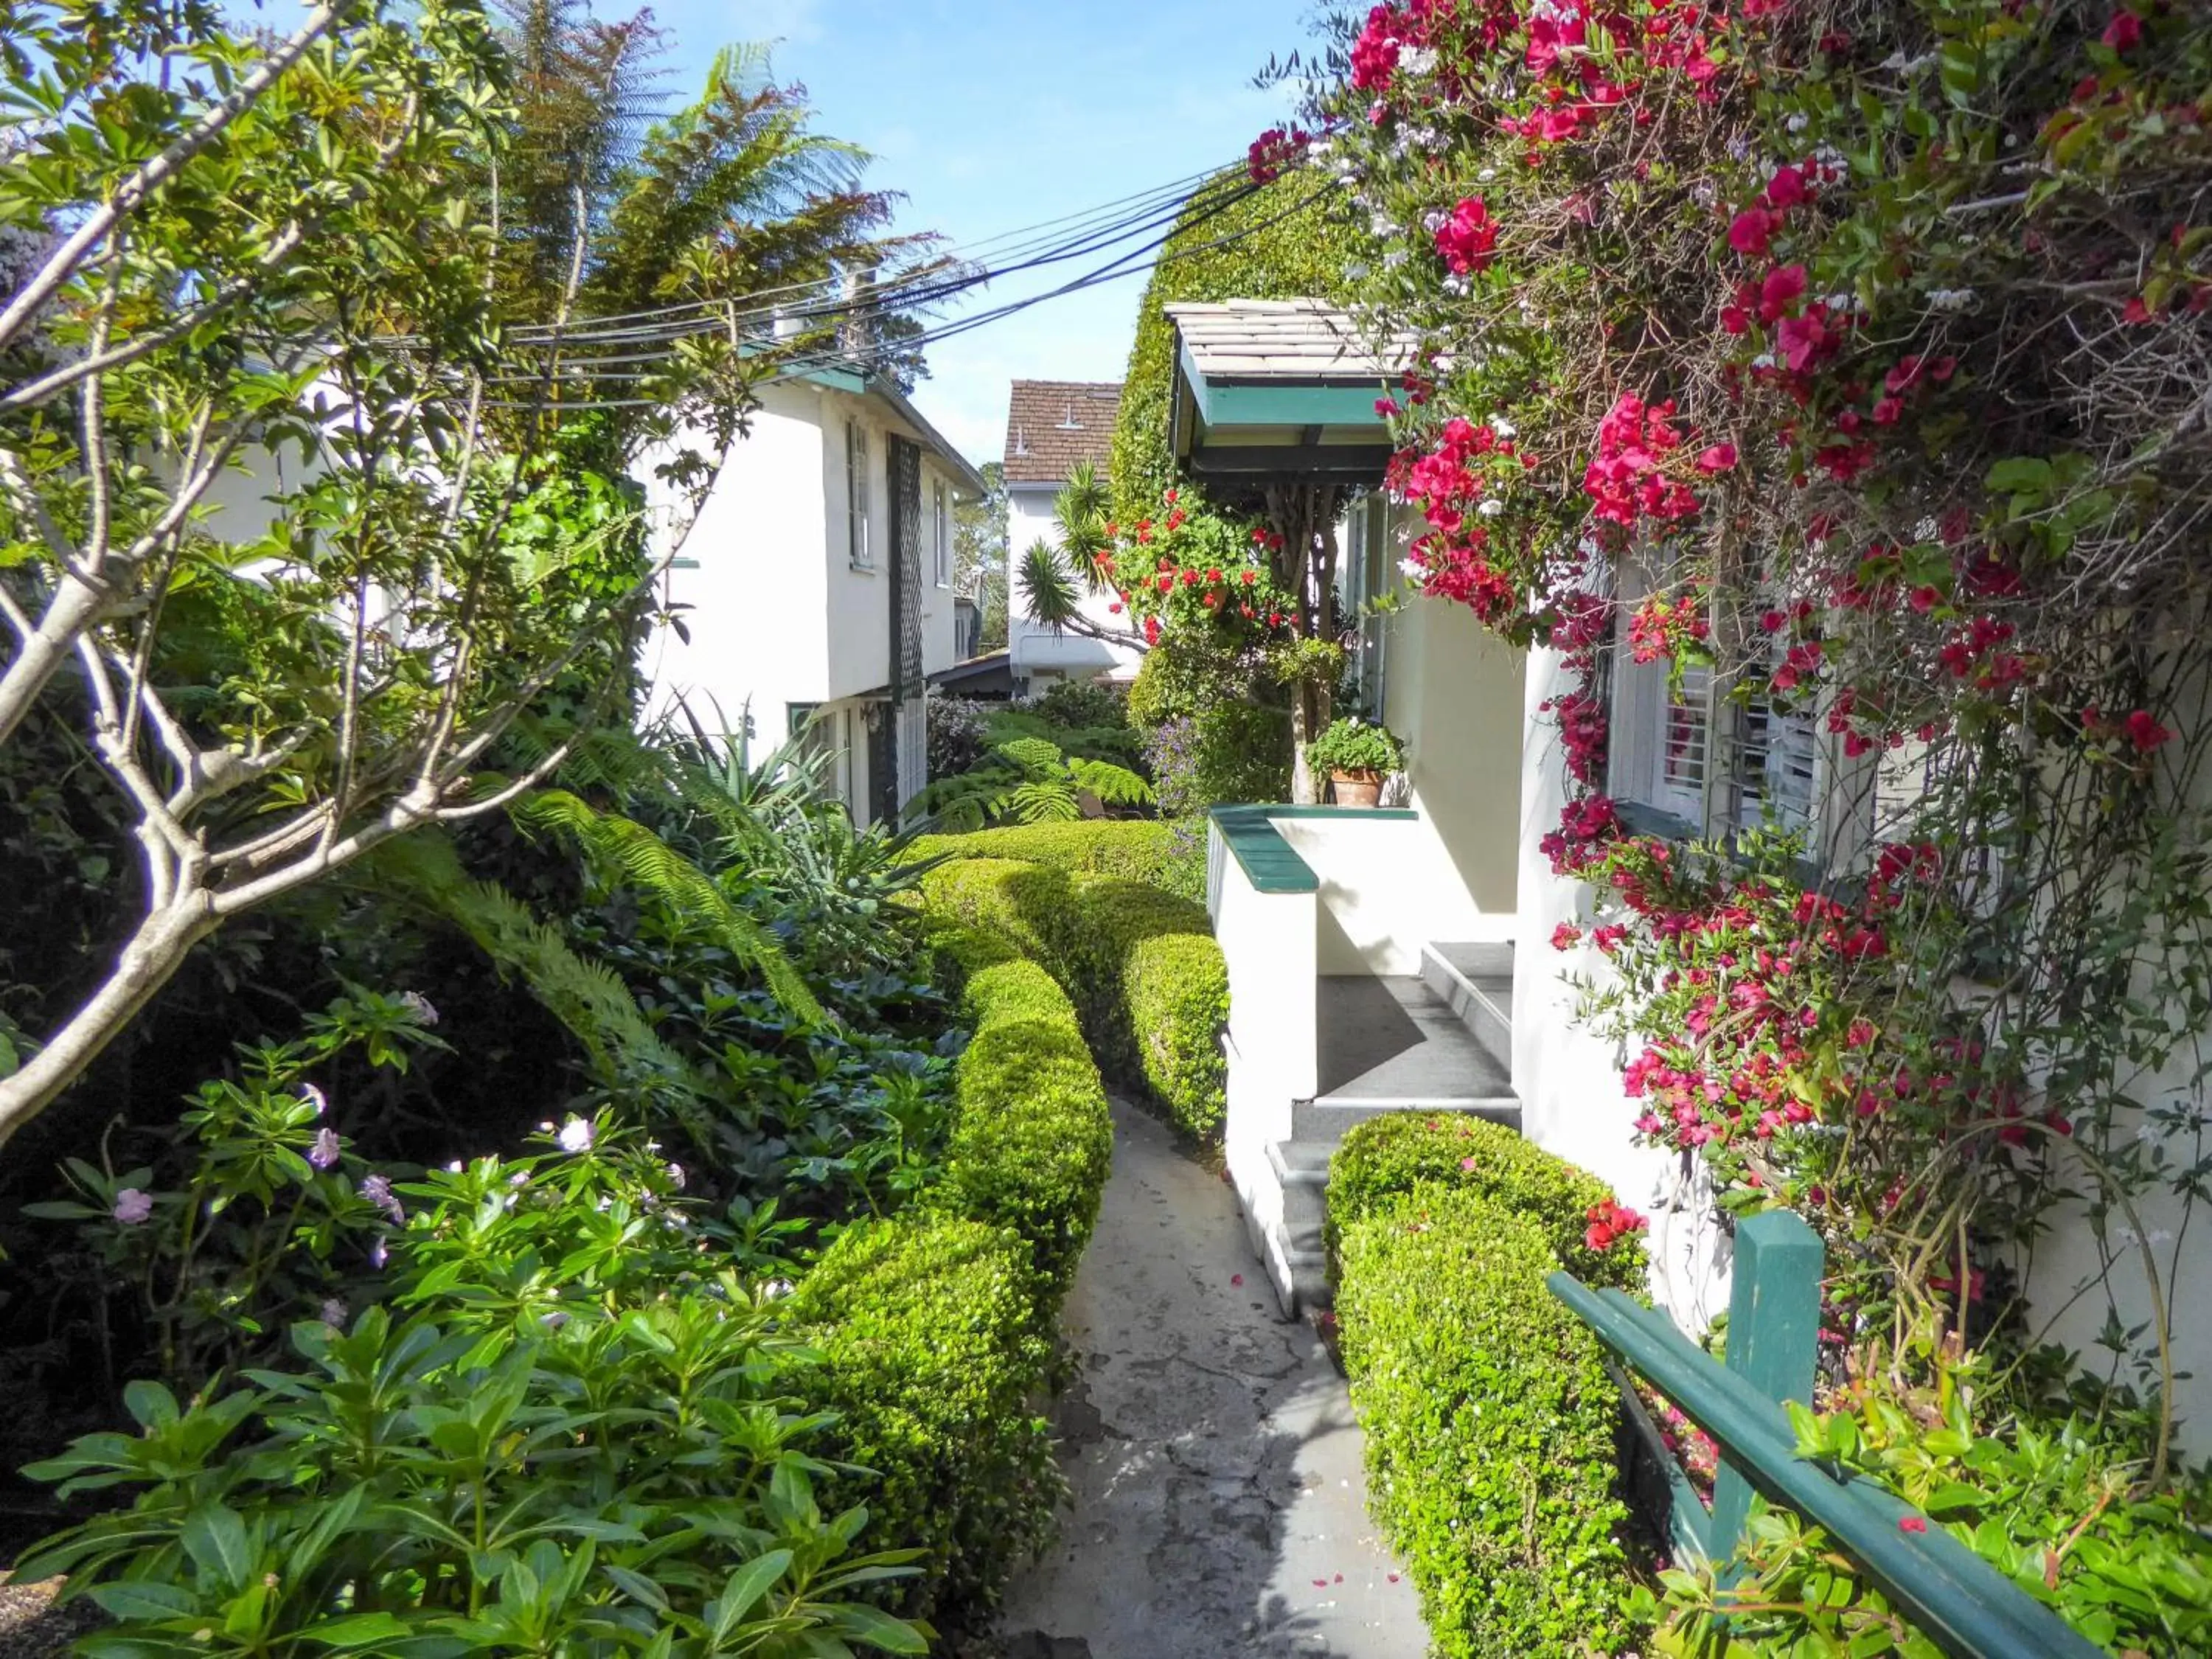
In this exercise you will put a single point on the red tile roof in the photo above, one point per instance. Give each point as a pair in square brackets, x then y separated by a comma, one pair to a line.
[1051, 425]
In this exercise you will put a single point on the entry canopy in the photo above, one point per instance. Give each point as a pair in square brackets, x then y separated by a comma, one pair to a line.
[1272, 393]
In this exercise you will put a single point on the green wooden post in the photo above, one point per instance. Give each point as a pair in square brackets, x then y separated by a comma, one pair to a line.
[1773, 1341]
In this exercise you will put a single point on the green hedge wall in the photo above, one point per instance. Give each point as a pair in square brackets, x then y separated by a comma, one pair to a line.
[935, 1327]
[1148, 982]
[932, 1347]
[1382, 1159]
[1169, 856]
[1491, 1427]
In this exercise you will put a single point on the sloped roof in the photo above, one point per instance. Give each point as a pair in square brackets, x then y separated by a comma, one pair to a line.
[1054, 425]
[1307, 341]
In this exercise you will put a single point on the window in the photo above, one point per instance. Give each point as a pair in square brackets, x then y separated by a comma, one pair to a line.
[1715, 763]
[858, 547]
[941, 528]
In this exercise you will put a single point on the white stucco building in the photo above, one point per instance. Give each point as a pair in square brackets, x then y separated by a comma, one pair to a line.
[1052, 427]
[815, 591]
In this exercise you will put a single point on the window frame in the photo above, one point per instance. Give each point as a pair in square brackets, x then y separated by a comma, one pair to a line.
[940, 523]
[859, 547]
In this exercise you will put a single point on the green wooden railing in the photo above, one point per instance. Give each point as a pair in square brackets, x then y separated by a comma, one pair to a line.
[1961, 1602]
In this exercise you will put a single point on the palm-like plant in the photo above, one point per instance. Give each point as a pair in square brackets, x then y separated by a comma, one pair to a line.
[1030, 780]
[1053, 580]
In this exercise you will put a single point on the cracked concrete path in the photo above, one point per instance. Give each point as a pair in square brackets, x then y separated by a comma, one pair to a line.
[1220, 1506]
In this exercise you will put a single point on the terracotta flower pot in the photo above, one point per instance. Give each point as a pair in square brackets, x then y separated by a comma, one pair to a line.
[1357, 788]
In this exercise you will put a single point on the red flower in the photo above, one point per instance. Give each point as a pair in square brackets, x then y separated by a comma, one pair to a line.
[1386, 407]
[1566, 936]
[2134, 311]
[1718, 459]
[1887, 411]
[2145, 732]
[1911, 1524]
[1778, 290]
[1787, 188]
[1467, 238]
[1250, 576]
[1752, 231]
[2124, 32]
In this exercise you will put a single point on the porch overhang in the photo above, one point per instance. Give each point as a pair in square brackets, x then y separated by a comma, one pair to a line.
[1274, 393]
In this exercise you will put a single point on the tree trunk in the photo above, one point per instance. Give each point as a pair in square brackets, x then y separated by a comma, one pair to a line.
[148, 961]
[1304, 791]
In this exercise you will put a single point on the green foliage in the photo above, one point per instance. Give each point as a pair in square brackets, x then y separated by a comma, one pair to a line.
[1290, 239]
[2051, 1495]
[1381, 1160]
[583, 1439]
[1217, 731]
[1490, 1421]
[1141, 966]
[933, 1348]
[1030, 780]
[1352, 745]
[979, 554]
[1031, 1137]
[1134, 850]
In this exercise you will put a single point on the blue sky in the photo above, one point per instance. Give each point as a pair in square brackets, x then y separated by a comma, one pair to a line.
[991, 116]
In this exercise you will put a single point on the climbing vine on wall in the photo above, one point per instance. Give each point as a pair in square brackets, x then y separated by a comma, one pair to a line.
[1862, 343]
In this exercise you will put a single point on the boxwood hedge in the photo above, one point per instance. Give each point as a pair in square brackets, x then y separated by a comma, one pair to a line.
[1387, 1157]
[1169, 856]
[1491, 1426]
[934, 1327]
[1148, 982]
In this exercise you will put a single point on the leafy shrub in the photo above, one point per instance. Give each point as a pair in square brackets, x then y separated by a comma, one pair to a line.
[1148, 982]
[1032, 1139]
[933, 1348]
[585, 1437]
[1083, 705]
[1215, 727]
[1135, 849]
[1028, 779]
[1352, 745]
[2048, 1495]
[1491, 1426]
[1381, 1160]
[958, 734]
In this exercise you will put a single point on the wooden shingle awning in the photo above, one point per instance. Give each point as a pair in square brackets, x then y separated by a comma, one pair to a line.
[1281, 392]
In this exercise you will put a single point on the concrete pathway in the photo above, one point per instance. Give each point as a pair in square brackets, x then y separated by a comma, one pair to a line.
[1220, 1507]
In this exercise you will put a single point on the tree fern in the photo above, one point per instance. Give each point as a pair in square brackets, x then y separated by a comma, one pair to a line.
[648, 862]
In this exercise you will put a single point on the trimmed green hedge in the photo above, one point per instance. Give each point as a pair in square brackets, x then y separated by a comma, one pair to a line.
[1491, 1426]
[1169, 856]
[1385, 1158]
[935, 1327]
[933, 1347]
[1148, 982]
[1032, 1140]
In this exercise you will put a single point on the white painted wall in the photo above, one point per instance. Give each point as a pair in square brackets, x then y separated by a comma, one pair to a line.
[1036, 652]
[1388, 887]
[1571, 1100]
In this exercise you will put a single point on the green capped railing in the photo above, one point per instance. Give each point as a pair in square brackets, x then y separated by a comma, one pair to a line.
[1962, 1603]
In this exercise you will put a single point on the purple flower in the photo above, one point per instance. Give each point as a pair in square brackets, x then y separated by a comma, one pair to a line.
[378, 1191]
[378, 1256]
[315, 1098]
[133, 1206]
[418, 1007]
[575, 1135]
[323, 1154]
[334, 1314]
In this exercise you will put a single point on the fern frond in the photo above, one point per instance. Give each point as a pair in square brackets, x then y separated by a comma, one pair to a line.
[1115, 785]
[1048, 802]
[650, 863]
[1037, 759]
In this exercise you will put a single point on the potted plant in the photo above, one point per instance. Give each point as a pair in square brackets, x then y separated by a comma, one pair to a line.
[1358, 755]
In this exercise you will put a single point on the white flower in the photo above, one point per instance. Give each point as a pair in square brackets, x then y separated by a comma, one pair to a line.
[1950, 299]
[1486, 175]
[1764, 360]
[1394, 257]
[1797, 122]
[1503, 428]
[334, 1314]
[675, 1176]
[776, 1288]
[1434, 220]
[1382, 224]
[1420, 60]
[1413, 570]
[575, 1135]
[1356, 271]
[1491, 508]
[315, 1098]
[418, 1005]
[454, 1168]
[1925, 530]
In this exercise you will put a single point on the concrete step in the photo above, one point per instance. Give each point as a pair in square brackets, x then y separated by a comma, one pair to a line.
[1300, 1162]
[1326, 1120]
[1469, 980]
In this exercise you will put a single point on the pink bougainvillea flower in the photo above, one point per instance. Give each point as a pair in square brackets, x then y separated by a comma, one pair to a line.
[1787, 188]
[1386, 407]
[1752, 231]
[2136, 311]
[1466, 237]
[2125, 31]
[1911, 1524]
[1566, 936]
[1717, 458]
[1780, 290]
[2143, 731]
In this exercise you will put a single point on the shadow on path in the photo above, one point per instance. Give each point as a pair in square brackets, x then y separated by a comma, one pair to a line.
[1220, 1507]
